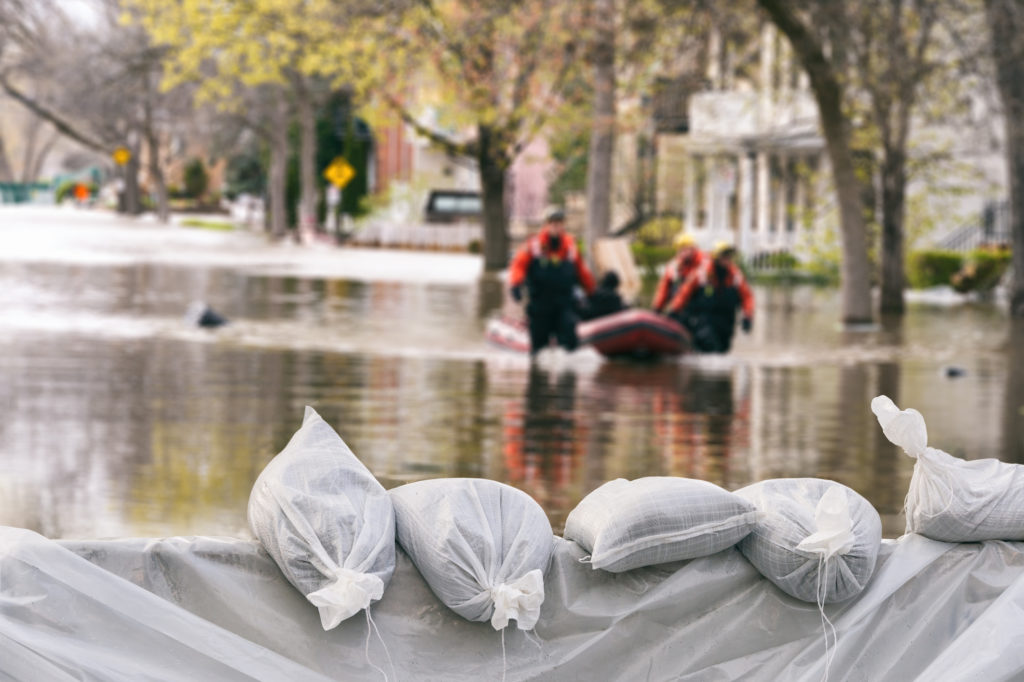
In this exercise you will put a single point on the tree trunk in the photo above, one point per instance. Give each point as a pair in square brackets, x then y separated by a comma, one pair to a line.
[855, 269]
[131, 202]
[1006, 23]
[894, 183]
[307, 163]
[828, 93]
[29, 141]
[163, 210]
[5, 166]
[276, 176]
[602, 134]
[36, 167]
[156, 172]
[493, 165]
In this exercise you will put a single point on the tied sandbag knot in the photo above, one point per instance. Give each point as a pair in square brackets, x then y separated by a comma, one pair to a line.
[905, 428]
[833, 526]
[519, 599]
[350, 592]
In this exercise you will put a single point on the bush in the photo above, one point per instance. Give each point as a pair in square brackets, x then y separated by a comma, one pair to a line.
[659, 231]
[983, 269]
[195, 179]
[933, 267]
[66, 190]
[649, 257]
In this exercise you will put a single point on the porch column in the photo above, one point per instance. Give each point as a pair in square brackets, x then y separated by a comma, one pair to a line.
[691, 192]
[764, 204]
[800, 201]
[746, 198]
[779, 201]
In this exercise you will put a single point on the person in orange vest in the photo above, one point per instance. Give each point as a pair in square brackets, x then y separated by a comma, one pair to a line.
[707, 301]
[550, 269]
[688, 258]
[81, 193]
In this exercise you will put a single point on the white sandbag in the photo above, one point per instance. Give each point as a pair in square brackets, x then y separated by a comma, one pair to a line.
[817, 540]
[326, 521]
[628, 524]
[952, 499]
[481, 546]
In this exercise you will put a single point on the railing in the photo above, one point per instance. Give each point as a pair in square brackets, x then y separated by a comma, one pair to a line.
[994, 228]
[25, 192]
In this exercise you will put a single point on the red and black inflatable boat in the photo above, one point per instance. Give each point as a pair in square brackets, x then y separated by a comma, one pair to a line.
[634, 333]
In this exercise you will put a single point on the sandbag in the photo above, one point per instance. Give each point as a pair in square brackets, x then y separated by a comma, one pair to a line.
[952, 499]
[326, 522]
[816, 540]
[652, 520]
[481, 546]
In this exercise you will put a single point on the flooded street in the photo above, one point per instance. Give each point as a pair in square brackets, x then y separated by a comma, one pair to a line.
[119, 419]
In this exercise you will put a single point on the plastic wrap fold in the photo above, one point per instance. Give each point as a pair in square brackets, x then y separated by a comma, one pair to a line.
[219, 608]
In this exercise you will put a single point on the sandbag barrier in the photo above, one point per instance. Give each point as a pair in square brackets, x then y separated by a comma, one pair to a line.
[483, 547]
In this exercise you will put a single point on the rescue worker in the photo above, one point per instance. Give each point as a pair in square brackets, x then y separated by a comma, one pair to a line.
[707, 301]
[605, 300]
[688, 258]
[550, 269]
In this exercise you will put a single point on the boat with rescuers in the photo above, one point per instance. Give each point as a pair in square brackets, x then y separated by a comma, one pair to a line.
[632, 333]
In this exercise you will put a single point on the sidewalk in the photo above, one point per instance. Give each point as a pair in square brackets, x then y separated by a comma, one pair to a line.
[99, 237]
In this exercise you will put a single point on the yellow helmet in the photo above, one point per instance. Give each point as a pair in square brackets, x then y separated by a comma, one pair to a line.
[722, 247]
[684, 239]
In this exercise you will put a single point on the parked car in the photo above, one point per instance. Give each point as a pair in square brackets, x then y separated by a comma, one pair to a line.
[453, 206]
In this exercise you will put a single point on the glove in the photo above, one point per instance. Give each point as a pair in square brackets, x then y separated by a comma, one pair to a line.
[747, 325]
[517, 293]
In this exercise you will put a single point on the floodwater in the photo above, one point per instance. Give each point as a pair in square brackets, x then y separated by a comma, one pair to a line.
[119, 419]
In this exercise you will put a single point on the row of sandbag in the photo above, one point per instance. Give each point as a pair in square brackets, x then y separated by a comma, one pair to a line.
[483, 546]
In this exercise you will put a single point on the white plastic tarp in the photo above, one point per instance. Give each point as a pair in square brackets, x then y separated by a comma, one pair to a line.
[219, 609]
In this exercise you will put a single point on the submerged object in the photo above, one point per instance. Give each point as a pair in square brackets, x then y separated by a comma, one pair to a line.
[199, 313]
[634, 333]
[509, 333]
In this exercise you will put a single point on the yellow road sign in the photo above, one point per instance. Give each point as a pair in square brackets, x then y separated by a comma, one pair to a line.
[340, 172]
[121, 156]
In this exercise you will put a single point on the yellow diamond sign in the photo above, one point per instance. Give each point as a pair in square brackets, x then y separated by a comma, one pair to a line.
[121, 156]
[339, 172]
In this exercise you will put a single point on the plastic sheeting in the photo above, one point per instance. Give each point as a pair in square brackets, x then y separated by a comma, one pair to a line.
[219, 609]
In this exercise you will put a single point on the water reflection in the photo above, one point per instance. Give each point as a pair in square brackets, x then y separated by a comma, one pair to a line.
[544, 441]
[120, 421]
[1013, 402]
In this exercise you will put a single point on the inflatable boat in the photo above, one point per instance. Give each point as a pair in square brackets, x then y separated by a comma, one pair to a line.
[634, 333]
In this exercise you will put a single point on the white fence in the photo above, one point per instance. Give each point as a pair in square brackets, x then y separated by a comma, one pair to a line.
[454, 236]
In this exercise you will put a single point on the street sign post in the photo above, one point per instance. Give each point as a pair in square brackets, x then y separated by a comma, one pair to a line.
[121, 156]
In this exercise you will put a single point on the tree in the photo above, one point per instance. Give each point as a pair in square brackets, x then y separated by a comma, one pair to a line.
[293, 47]
[99, 77]
[890, 45]
[501, 71]
[630, 45]
[1006, 26]
[602, 134]
[809, 35]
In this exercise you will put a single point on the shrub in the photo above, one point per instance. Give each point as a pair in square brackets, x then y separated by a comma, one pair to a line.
[66, 190]
[933, 267]
[195, 179]
[982, 270]
[659, 231]
[648, 257]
